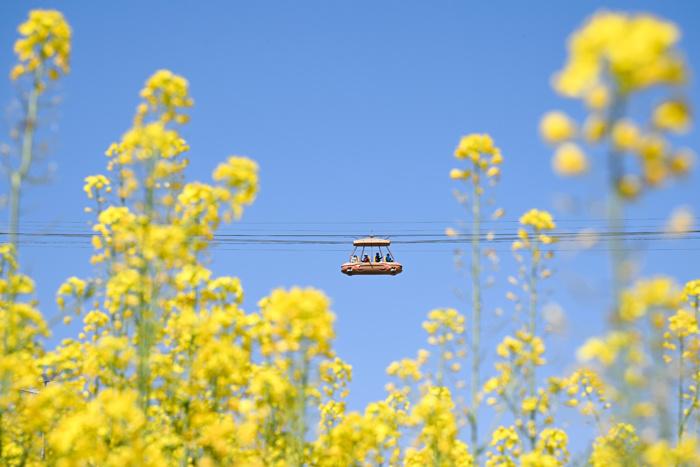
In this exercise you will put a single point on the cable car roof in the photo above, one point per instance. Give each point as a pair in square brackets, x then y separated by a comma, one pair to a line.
[371, 241]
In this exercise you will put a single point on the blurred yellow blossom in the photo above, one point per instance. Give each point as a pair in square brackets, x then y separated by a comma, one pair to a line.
[569, 160]
[683, 323]
[617, 448]
[557, 127]
[672, 116]
[637, 50]
[625, 135]
[680, 221]
[539, 220]
[45, 44]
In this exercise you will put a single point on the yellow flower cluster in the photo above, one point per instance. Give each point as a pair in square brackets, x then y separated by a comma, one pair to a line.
[557, 127]
[610, 58]
[95, 183]
[520, 355]
[637, 50]
[672, 115]
[111, 429]
[21, 327]
[335, 375]
[296, 320]
[166, 94]
[683, 324]
[44, 46]
[551, 449]
[506, 444]
[240, 175]
[444, 325]
[409, 369]
[539, 220]
[648, 295]
[691, 291]
[369, 438]
[585, 389]
[686, 453]
[570, 160]
[148, 141]
[619, 447]
[605, 350]
[486, 158]
[445, 328]
[522, 348]
[437, 441]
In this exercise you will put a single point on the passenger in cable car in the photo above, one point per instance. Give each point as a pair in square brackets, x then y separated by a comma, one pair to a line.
[377, 258]
[388, 258]
[365, 259]
[354, 259]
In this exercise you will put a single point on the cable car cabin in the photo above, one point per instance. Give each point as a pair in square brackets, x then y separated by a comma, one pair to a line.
[372, 260]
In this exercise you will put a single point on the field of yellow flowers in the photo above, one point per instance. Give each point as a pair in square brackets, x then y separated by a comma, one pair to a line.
[168, 369]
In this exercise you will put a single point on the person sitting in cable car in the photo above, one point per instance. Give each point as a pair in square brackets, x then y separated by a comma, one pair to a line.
[388, 258]
[365, 259]
[377, 258]
[354, 259]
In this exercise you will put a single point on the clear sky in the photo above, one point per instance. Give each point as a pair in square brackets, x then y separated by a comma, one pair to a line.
[352, 109]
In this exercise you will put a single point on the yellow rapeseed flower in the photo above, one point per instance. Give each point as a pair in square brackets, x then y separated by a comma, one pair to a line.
[45, 44]
[680, 221]
[629, 186]
[594, 128]
[683, 323]
[625, 135]
[557, 127]
[618, 447]
[537, 219]
[673, 115]
[638, 51]
[569, 160]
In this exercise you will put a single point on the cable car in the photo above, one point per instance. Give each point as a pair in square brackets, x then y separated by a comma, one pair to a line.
[372, 264]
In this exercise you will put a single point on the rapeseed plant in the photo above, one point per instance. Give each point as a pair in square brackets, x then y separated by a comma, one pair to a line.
[169, 369]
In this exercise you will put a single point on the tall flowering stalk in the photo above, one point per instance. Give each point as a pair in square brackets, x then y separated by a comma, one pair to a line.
[514, 389]
[429, 384]
[21, 328]
[191, 377]
[683, 336]
[43, 53]
[691, 294]
[613, 58]
[483, 169]
[631, 359]
[534, 239]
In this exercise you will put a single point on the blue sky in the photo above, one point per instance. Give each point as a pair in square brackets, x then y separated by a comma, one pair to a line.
[352, 110]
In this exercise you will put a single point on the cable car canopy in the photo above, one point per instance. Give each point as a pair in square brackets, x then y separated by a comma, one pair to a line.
[371, 241]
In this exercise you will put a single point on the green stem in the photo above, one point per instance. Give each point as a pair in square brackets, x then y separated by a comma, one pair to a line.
[18, 176]
[146, 303]
[299, 422]
[476, 314]
[696, 372]
[681, 418]
[616, 210]
[532, 286]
